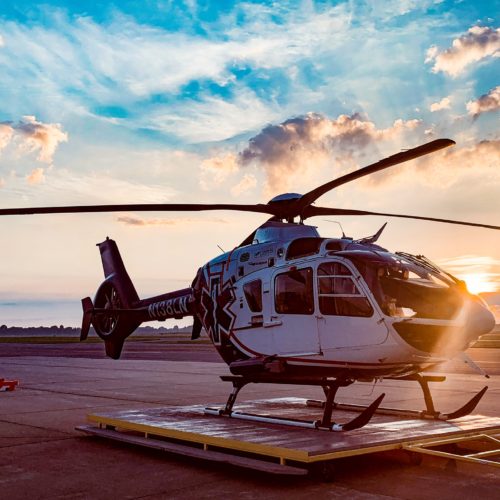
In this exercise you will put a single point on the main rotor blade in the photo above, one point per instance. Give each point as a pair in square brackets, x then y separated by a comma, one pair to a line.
[315, 211]
[141, 207]
[390, 161]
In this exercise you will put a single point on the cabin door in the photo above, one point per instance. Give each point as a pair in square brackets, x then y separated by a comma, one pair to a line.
[292, 318]
[346, 315]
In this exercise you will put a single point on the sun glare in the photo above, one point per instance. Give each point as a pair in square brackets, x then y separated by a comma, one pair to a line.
[479, 282]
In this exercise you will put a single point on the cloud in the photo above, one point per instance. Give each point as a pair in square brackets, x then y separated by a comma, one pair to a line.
[248, 182]
[6, 132]
[487, 152]
[116, 61]
[302, 145]
[33, 136]
[36, 176]
[478, 43]
[387, 9]
[132, 220]
[2, 182]
[101, 188]
[472, 262]
[215, 170]
[456, 165]
[63, 187]
[442, 169]
[137, 67]
[481, 273]
[444, 103]
[485, 103]
[41, 137]
[213, 118]
[229, 79]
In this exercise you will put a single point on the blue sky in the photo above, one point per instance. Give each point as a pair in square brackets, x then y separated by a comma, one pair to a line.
[156, 101]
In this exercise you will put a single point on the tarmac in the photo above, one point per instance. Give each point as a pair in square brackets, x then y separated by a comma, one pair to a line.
[43, 456]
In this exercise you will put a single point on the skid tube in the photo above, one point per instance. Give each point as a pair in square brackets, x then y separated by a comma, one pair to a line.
[430, 411]
[330, 386]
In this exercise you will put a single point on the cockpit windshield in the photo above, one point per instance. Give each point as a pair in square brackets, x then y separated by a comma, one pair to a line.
[408, 286]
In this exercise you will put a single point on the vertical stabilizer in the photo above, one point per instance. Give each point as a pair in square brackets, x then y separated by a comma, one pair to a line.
[114, 270]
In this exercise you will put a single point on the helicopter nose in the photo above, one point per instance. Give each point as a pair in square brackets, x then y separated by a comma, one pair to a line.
[480, 319]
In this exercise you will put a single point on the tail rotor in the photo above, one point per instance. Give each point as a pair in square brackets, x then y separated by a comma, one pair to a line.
[117, 311]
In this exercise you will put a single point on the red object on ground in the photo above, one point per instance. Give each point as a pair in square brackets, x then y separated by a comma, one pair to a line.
[8, 385]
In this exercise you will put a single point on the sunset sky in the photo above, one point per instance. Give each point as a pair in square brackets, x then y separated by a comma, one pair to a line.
[236, 102]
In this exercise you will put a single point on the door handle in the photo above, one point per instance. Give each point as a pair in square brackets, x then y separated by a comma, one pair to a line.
[275, 322]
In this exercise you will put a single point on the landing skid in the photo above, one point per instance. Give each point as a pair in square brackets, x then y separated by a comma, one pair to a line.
[430, 411]
[330, 386]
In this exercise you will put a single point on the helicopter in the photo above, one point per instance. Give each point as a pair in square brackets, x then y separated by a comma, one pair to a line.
[287, 306]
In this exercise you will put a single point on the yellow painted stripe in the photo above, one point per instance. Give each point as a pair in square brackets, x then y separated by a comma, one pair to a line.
[262, 449]
[353, 452]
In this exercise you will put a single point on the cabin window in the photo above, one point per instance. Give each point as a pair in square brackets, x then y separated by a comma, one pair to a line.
[338, 294]
[294, 292]
[334, 246]
[302, 247]
[253, 294]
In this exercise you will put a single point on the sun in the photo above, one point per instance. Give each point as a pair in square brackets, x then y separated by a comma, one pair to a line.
[479, 282]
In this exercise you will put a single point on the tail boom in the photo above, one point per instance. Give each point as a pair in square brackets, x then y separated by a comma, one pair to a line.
[172, 306]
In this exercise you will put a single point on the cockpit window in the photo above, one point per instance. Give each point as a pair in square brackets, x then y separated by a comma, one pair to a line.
[338, 293]
[294, 292]
[410, 291]
[406, 285]
[253, 295]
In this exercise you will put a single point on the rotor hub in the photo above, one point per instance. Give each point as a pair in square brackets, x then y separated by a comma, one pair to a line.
[285, 197]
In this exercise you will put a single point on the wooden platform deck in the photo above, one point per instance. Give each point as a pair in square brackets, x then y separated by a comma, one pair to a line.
[188, 426]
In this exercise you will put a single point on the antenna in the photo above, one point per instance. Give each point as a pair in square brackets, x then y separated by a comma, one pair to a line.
[337, 222]
[221, 249]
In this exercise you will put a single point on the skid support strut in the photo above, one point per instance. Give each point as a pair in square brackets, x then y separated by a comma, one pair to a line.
[429, 403]
[430, 411]
[330, 386]
[238, 384]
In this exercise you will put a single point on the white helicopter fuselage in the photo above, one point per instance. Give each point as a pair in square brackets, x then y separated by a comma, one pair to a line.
[328, 306]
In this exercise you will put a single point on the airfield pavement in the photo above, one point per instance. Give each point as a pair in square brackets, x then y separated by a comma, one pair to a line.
[43, 456]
